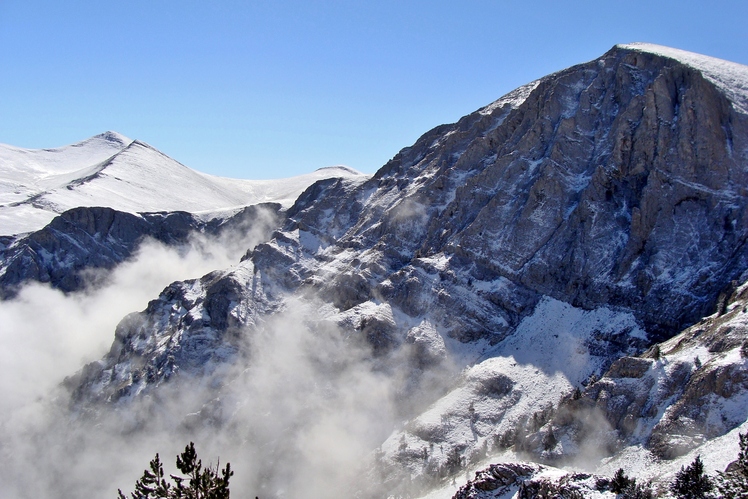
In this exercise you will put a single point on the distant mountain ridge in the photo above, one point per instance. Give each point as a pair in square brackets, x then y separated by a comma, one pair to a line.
[111, 170]
[89, 206]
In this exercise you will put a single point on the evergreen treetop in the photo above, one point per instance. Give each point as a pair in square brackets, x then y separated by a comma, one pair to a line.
[195, 483]
[691, 482]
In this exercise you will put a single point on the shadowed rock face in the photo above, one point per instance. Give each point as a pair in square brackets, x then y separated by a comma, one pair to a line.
[84, 239]
[593, 203]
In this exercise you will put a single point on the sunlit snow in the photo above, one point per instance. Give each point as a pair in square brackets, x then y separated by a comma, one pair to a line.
[113, 171]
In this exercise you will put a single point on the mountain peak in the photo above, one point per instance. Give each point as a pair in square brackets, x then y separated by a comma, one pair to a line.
[113, 137]
[664, 50]
[109, 141]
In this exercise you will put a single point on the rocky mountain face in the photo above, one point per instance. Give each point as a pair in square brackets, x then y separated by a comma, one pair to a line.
[529, 480]
[676, 396]
[516, 269]
[574, 187]
[82, 240]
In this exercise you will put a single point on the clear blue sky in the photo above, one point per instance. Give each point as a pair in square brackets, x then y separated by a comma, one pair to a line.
[267, 89]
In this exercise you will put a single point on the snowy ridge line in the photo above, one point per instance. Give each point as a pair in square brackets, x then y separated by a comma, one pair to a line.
[515, 98]
[110, 170]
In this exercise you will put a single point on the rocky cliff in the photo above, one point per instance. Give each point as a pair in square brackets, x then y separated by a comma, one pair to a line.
[67, 252]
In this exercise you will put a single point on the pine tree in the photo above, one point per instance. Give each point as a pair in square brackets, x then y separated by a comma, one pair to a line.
[454, 462]
[152, 484]
[549, 440]
[620, 482]
[203, 483]
[576, 394]
[691, 482]
[636, 491]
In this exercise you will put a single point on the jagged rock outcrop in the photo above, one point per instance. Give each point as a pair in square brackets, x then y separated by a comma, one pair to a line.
[193, 327]
[530, 481]
[680, 394]
[497, 479]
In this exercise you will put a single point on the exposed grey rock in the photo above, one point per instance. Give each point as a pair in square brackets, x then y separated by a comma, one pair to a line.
[525, 481]
[193, 327]
[497, 479]
[629, 367]
[676, 402]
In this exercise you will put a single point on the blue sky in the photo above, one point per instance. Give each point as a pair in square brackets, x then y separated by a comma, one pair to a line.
[273, 89]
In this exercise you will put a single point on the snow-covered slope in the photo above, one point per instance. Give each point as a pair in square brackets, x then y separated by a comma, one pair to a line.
[29, 171]
[110, 170]
[653, 414]
[511, 391]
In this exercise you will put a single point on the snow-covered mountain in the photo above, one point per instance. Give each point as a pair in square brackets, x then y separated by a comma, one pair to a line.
[534, 281]
[110, 170]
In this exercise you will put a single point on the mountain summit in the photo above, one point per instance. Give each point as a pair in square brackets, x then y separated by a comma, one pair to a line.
[500, 287]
